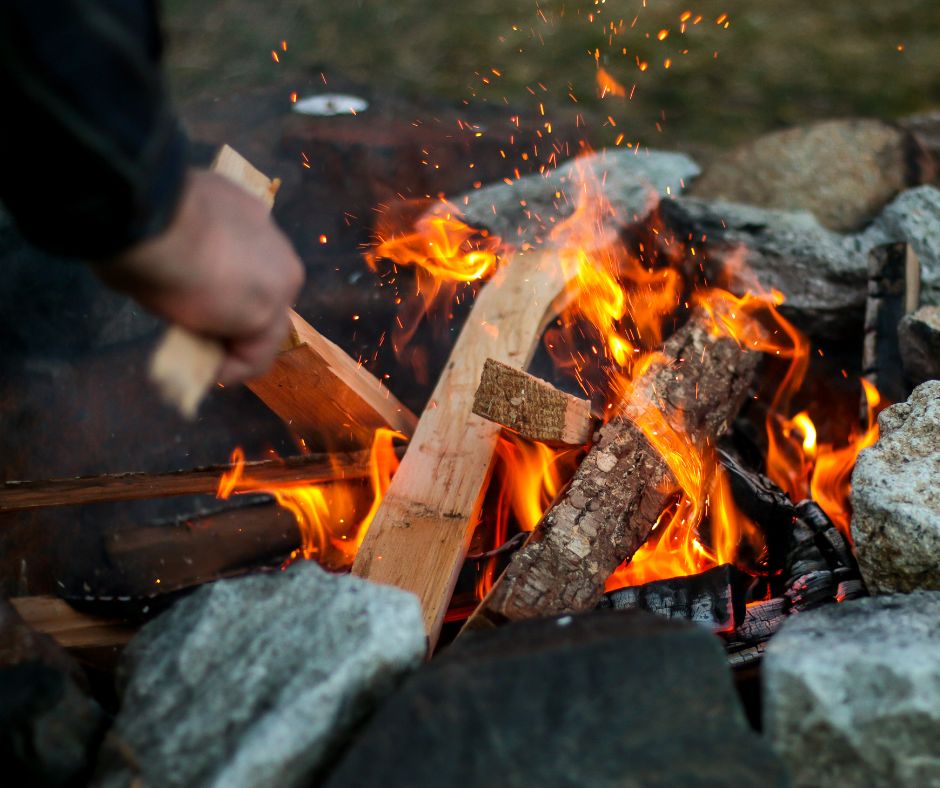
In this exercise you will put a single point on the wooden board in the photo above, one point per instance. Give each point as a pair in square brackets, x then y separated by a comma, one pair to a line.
[69, 627]
[326, 397]
[531, 407]
[17, 496]
[420, 535]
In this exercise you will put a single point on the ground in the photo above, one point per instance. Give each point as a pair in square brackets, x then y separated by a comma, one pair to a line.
[767, 64]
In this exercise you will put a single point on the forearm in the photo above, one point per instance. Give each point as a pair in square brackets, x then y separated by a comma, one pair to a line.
[93, 159]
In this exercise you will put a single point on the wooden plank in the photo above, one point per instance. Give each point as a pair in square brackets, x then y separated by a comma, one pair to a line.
[314, 386]
[421, 532]
[531, 407]
[623, 485]
[326, 397]
[17, 496]
[69, 627]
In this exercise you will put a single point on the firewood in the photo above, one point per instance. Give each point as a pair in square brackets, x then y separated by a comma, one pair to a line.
[71, 628]
[325, 396]
[893, 292]
[422, 530]
[531, 407]
[623, 484]
[714, 599]
[17, 496]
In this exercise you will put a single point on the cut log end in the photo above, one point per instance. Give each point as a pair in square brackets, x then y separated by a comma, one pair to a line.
[531, 407]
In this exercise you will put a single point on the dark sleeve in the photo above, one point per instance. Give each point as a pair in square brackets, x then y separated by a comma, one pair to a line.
[92, 158]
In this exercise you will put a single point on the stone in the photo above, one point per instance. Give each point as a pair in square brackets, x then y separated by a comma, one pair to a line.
[608, 698]
[919, 338]
[526, 210]
[914, 216]
[257, 681]
[823, 275]
[841, 171]
[852, 693]
[926, 127]
[895, 503]
[50, 727]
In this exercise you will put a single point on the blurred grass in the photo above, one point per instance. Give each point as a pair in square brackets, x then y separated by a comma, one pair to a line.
[779, 62]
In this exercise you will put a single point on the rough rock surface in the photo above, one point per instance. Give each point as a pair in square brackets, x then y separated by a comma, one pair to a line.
[822, 274]
[50, 727]
[526, 210]
[852, 693]
[611, 698]
[256, 681]
[914, 216]
[895, 499]
[842, 171]
[919, 338]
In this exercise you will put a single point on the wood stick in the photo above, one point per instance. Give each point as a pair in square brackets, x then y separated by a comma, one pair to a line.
[324, 396]
[69, 627]
[422, 530]
[314, 386]
[18, 496]
[624, 484]
[531, 407]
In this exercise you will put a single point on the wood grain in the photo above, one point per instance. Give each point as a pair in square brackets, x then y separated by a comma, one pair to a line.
[421, 532]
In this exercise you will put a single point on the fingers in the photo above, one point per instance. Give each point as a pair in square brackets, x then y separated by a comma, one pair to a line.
[251, 357]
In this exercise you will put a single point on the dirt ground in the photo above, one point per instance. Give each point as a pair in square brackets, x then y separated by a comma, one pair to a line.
[767, 64]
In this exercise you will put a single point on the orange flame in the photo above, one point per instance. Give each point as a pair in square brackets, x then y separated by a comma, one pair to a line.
[326, 514]
[607, 85]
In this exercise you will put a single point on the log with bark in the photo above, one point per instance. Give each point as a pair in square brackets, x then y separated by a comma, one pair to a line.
[532, 408]
[624, 484]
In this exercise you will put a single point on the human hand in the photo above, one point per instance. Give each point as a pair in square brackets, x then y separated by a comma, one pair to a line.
[222, 269]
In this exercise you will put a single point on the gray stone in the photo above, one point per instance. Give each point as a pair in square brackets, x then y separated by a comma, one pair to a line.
[852, 693]
[919, 339]
[822, 274]
[527, 210]
[610, 698]
[842, 171]
[895, 498]
[50, 727]
[257, 681]
[914, 217]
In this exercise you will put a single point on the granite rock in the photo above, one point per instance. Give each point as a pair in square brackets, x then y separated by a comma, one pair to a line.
[852, 693]
[896, 514]
[610, 698]
[257, 681]
[525, 211]
[919, 339]
[842, 171]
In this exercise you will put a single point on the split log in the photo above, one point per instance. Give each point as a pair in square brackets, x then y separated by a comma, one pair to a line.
[17, 496]
[326, 397]
[69, 627]
[422, 530]
[747, 643]
[893, 292]
[714, 599]
[624, 484]
[531, 407]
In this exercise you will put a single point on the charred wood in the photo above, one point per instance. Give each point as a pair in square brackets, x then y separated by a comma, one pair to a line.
[624, 484]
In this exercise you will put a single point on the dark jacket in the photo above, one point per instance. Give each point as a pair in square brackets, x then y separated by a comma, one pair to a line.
[92, 158]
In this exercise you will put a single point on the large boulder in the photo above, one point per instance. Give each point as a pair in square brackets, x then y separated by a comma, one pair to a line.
[258, 681]
[842, 171]
[525, 211]
[852, 693]
[896, 516]
[611, 698]
[919, 340]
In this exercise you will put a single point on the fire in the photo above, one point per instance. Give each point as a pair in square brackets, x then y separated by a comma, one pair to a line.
[607, 85]
[327, 515]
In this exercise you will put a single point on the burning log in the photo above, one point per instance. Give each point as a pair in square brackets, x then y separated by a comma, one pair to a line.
[714, 598]
[314, 386]
[531, 407]
[422, 530]
[624, 484]
[17, 496]
[893, 292]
